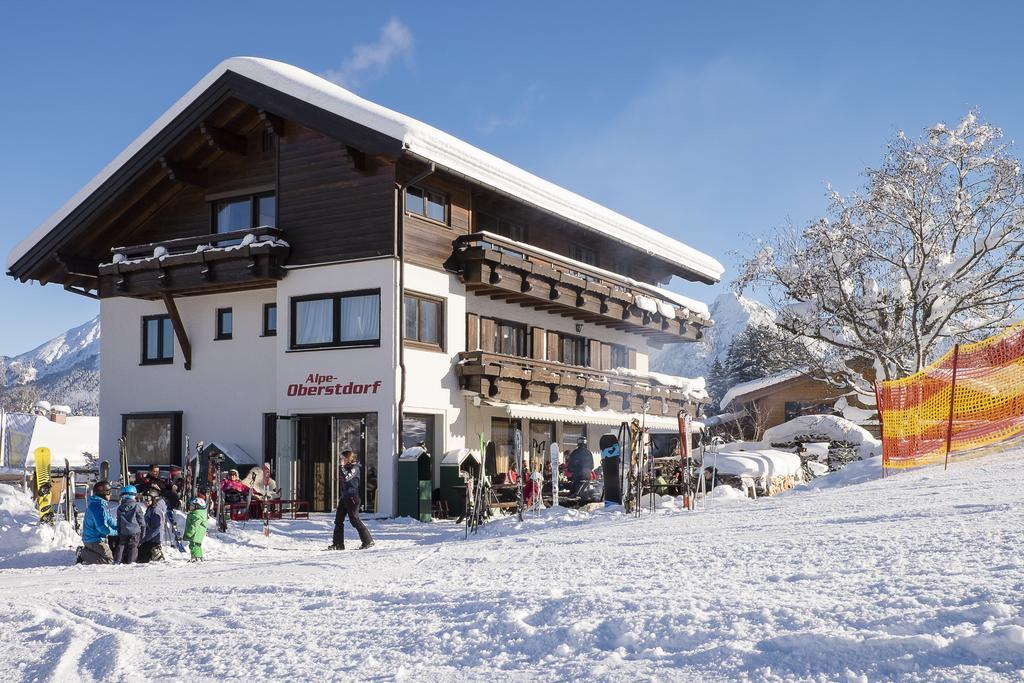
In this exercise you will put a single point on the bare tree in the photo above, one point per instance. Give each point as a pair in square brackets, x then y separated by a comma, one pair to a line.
[927, 252]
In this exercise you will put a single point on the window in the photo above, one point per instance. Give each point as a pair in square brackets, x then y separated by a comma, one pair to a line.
[571, 434]
[427, 203]
[418, 429]
[573, 350]
[269, 320]
[794, 409]
[424, 320]
[502, 431]
[243, 213]
[157, 340]
[620, 356]
[510, 338]
[224, 323]
[270, 439]
[578, 252]
[514, 230]
[152, 438]
[336, 320]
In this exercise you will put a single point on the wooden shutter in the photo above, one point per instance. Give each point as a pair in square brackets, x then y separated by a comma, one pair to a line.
[552, 346]
[472, 332]
[487, 335]
[632, 359]
[537, 343]
[606, 356]
[595, 354]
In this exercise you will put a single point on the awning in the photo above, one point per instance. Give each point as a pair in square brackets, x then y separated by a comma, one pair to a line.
[586, 416]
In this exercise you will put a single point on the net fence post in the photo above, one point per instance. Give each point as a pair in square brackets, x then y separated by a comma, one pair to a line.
[881, 424]
[952, 396]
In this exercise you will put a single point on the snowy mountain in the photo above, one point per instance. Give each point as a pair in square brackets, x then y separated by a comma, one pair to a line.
[62, 370]
[732, 314]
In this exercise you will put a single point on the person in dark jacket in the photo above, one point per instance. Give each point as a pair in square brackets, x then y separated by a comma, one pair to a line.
[349, 505]
[131, 526]
[97, 526]
[151, 545]
[580, 463]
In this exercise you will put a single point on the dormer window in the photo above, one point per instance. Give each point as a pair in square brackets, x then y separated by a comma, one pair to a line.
[427, 203]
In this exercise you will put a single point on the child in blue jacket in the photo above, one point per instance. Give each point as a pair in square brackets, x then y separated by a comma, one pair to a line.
[99, 524]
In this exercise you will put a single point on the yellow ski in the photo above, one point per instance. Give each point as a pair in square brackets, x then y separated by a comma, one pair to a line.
[43, 485]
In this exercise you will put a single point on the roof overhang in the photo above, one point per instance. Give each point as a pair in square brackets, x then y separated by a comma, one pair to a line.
[295, 94]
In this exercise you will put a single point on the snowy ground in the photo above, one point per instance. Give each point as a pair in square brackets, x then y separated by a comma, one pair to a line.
[915, 577]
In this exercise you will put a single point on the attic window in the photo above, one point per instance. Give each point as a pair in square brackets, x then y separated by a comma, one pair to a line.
[427, 203]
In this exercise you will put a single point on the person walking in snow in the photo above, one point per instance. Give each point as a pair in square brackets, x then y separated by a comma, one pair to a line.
[195, 528]
[151, 548]
[349, 505]
[98, 525]
[131, 526]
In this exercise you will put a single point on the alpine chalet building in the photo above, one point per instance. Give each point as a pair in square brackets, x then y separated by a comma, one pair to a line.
[289, 269]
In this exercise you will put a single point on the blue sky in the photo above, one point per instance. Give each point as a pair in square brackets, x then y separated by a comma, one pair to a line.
[711, 122]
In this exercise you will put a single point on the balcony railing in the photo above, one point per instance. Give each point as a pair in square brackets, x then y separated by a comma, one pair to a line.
[523, 380]
[242, 259]
[504, 269]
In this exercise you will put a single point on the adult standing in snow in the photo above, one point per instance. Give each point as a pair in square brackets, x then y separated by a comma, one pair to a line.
[131, 525]
[349, 505]
[151, 548]
[98, 525]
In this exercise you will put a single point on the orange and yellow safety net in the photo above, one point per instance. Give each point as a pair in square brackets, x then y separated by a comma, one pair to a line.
[973, 397]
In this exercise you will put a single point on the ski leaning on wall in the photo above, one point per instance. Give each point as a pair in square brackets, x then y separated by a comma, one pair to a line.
[556, 456]
[517, 449]
[122, 454]
[70, 513]
[44, 487]
[266, 500]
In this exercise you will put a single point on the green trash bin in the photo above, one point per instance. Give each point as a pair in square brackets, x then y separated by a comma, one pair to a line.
[415, 484]
[453, 482]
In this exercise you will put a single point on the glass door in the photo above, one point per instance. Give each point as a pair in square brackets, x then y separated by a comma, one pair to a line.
[348, 433]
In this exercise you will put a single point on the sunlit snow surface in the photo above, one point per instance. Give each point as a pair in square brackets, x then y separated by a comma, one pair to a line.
[915, 577]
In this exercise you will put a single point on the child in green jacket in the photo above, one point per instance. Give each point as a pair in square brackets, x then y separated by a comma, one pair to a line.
[195, 528]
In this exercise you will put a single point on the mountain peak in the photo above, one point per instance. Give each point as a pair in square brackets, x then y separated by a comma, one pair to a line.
[64, 351]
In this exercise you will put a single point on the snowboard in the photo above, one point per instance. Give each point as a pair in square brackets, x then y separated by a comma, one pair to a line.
[611, 451]
[43, 485]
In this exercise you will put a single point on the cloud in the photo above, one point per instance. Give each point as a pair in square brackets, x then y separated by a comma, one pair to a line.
[517, 116]
[372, 60]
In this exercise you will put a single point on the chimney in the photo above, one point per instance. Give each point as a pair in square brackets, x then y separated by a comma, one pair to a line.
[59, 414]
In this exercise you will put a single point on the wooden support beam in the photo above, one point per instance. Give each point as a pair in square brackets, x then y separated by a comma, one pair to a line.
[224, 140]
[179, 329]
[272, 122]
[183, 174]
[74, 265]
[81, 290]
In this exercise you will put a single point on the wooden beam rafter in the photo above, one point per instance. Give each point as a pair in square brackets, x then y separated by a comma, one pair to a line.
[271, 122]
[223, 139]
[183, 174]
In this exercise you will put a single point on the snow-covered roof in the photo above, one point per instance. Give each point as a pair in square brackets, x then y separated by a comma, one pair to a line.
[233, 451]
[418, 139]
[69, 441]
[753, 385]
[694, 388]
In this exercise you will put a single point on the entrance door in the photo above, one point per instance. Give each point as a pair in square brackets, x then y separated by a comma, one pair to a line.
[316, 467]
[349, 434]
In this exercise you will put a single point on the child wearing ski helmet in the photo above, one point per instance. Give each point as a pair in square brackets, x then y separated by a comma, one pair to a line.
[131, 526]
[195, 528]
[99, 525]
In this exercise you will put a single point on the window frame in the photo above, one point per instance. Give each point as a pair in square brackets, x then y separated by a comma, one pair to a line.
[221, 335]
[624, 350]
[503, 227]
[161, 359]
[522, 327]
[583, 250]
[418, 342]
[445, 200]
[254, 212]
[584, 346]
[267, 332]
[335, 343]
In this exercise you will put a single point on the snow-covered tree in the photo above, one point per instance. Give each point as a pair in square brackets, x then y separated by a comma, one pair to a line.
[758, 351]
[927, 253]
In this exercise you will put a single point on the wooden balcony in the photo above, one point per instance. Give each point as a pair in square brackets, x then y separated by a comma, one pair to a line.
[512, 379]
[503, 269]
[244, 259]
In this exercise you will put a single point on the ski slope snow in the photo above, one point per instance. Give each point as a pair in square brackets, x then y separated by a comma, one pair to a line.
[914, 577]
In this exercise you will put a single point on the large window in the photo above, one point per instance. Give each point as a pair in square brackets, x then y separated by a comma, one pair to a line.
[573, 350]
[157, 340]
[427, 203]
[511, 339]
[336, 320]
[424, 320]
[152, 438]
[620, 356]
[243, 213]
[514, 230]
[418, 429]
[269, 320]
[225, 323]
